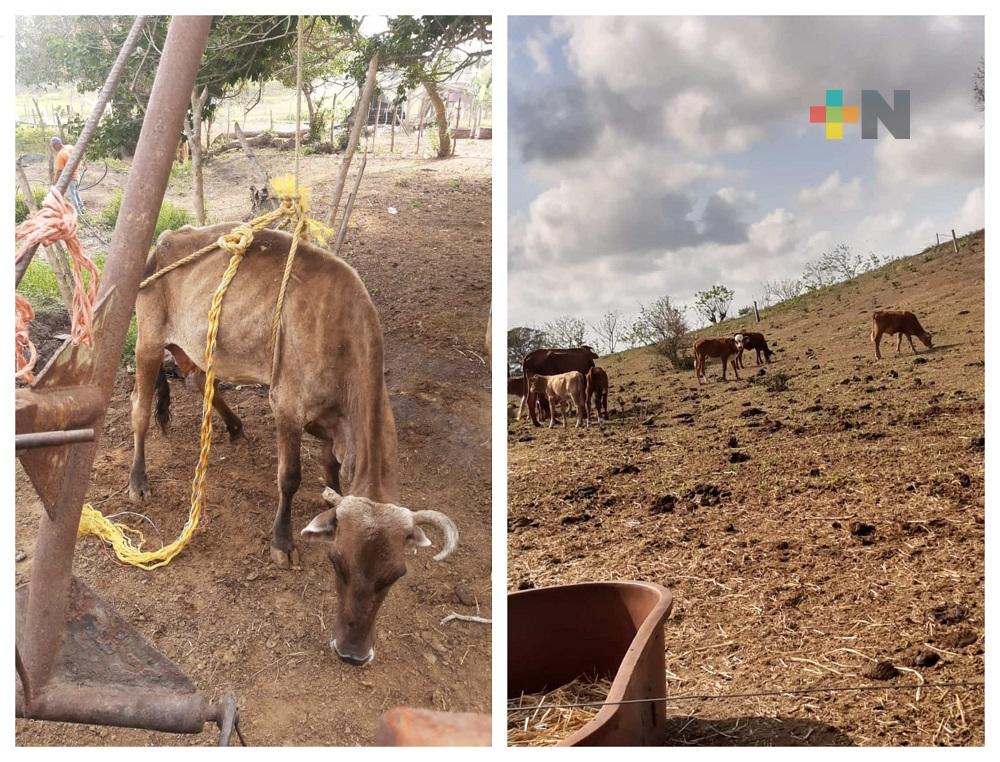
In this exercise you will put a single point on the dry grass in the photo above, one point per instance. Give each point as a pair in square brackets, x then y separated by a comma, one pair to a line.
[807, 533]
[531, 726]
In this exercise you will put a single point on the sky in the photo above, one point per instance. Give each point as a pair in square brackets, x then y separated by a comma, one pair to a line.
[661, 155]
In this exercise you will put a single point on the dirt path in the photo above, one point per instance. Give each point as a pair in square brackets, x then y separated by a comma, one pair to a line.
[807, 533]
[230, 620]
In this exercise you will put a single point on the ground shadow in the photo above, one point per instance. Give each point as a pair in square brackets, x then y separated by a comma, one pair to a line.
[752, 731]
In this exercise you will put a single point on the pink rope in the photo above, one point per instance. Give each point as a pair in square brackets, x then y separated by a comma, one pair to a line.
[55, 221]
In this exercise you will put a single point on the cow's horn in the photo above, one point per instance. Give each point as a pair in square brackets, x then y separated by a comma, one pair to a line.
[443, 523]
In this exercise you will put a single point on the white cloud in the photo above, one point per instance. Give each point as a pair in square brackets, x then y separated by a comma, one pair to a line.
[934, 154]
[535, 45]
[973, 213]
[833, 193]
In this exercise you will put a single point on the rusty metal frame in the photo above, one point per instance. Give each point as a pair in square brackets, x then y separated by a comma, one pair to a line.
[56, 420]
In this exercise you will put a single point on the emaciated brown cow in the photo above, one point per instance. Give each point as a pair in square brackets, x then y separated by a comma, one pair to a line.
[755, 341]
[727, 349]
[899, 323]
[328, 381]
[560, 389]
[551, 362]
[597, 391]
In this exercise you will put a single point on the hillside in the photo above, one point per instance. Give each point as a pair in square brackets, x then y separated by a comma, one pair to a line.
[807, 533]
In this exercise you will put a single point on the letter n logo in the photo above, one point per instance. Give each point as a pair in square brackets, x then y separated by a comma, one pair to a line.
[874, 109]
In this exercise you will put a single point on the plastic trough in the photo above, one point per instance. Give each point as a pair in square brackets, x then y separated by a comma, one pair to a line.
[608, 629]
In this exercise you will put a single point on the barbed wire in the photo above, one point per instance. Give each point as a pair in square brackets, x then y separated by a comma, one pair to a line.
[755, 694]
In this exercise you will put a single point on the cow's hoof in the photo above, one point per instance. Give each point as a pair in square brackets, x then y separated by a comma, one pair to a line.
[139, 489]
[236, 433]
[284, 559]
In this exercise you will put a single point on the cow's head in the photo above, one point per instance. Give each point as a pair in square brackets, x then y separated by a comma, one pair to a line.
[591, 354]
[538, 385]
[366, 543]
[738, 338]
[926, 338]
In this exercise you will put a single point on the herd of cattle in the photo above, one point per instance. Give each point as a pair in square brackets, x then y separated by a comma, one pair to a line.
[569, 377]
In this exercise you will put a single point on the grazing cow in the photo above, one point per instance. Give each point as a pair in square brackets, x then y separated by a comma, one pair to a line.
[560, 389]
[756, 341]
[597, 390]
[551, 362]
[899, 323]
[727, 349]
[327, 381]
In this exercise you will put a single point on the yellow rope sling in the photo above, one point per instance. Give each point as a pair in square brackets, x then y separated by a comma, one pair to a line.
[127, 542]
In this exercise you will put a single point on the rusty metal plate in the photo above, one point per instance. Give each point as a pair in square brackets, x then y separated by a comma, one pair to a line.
[100, 649]
[70, 366]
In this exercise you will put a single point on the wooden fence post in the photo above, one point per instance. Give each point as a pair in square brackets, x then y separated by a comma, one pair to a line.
[954, 240]
[756, 312]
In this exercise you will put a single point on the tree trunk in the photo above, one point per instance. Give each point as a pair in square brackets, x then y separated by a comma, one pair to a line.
[360, 119]
[312, 112]
[57, 258]
[440, 116]
[193, 131]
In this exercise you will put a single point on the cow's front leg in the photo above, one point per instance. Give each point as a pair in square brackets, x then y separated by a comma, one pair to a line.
[283, 552]
[910, 339]
[899, 342]
[233, 423]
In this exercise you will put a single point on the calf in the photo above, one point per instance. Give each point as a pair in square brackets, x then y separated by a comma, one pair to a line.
[899, 323]
[727, 349]
[553, 361]
[560, 389]
[597, 390]
[755, 341]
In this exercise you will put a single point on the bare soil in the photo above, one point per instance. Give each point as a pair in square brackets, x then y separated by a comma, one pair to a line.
[220, 610]
[807, 534]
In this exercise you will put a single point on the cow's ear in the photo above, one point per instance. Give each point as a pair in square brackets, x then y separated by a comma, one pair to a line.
[331, 496]
[323, 527]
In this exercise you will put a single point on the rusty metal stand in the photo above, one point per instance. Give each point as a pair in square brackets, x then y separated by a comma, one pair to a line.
[76, 659]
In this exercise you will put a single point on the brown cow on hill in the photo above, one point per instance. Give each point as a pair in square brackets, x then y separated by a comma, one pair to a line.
[597, 391]
[755, 341]
[560, 389]
[551, 362]
[726, 348]
[899, 323]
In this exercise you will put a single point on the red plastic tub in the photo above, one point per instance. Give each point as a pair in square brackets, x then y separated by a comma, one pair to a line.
[608, 629]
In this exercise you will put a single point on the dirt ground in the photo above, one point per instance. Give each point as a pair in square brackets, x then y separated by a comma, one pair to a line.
[806, 534]
[220, 610]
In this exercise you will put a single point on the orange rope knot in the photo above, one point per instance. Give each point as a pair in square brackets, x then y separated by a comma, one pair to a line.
[25, 354]
[56, 221]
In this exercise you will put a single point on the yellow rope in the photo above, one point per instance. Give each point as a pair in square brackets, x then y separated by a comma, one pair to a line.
[93, 522]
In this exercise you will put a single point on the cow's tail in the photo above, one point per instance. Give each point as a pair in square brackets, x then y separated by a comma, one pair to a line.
[872, 336]
[162, 400]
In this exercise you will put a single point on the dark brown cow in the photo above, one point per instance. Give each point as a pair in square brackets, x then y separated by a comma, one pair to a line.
[726, 348]
[899, 323]
[755, 341]
[328, 381]
[550, 362]
[597, 390]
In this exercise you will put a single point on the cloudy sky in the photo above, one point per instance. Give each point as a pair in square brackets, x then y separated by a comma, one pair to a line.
[658, 156]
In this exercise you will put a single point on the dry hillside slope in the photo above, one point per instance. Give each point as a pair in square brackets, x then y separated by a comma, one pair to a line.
[807, 534]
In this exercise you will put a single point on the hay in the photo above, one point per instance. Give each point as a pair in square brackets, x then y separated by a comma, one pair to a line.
[531, 726]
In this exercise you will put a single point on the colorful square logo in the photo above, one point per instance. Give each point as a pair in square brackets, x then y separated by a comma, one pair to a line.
[834, 114]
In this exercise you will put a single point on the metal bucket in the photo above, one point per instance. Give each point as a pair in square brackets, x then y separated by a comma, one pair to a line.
[612, 630]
